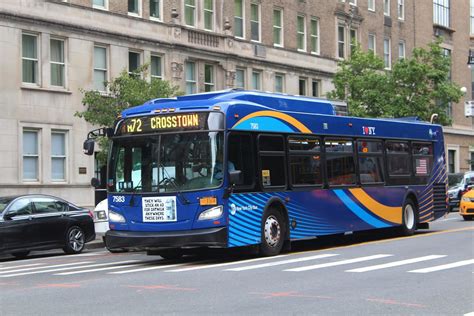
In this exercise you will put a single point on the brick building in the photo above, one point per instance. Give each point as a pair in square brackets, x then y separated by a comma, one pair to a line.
[51, 49]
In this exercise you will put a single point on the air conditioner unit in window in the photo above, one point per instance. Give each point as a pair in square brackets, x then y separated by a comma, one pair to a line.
[469, 108]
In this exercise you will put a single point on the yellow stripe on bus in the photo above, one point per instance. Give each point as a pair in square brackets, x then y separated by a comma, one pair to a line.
[388, 213]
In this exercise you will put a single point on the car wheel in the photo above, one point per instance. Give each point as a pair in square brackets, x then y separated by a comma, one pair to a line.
[75, 240]
[21, 254]
[273, 233]
[169, 254]
[468, 217]
[409, 218]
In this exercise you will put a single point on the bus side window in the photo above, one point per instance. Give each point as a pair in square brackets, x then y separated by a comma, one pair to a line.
[241, 155]
[272, 161]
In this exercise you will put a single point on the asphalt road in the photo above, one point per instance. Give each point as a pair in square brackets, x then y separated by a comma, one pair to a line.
[430, 273]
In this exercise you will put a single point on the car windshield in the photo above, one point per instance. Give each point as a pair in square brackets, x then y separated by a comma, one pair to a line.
[166, 163]
[4, 203]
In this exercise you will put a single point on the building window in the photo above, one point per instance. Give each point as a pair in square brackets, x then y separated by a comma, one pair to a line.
[58, 65]
[256, 80]
[371, 44]
[208, 78]
[190, 12]
[302, 86]
[255, 22]
[401, 50]
[387, 53]
[386, 7]
[447, 54]
[208, 15]
[315, 85]
[401, 9]
[277, 27]
[239, 18]
[471, 160]
[29, 56]
[341, 41]
[58, 156]
[155, 9]
[134, 7]
[353, 2]
[155, 67]
[472, 17]
[133, 62]
[279, 82]
[240, 78]
[301, 33]
[353, 38]
[190, 78]
[100, 4]
[100, 68]
[371, 5]
[441, 12]
[451, 161]
[30, 155]
[314, 36]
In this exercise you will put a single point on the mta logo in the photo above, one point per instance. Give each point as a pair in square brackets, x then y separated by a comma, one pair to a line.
[368, 130]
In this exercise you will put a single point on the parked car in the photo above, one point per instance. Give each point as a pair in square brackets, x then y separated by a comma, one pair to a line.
[41, 222]
[466, 208]
[101, 218]
[455, 192]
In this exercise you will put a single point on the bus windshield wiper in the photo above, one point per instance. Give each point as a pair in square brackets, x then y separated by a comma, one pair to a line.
[171, 180]
[134, 189]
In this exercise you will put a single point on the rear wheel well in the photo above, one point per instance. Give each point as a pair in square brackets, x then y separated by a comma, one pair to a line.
[413, 198]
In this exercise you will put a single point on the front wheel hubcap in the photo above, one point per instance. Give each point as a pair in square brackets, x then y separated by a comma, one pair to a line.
[272, 231]
[76, 239]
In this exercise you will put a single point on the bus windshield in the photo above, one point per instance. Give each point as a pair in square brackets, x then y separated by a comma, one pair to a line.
[166, 163]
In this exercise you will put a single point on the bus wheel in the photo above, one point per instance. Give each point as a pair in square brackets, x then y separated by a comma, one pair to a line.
[273, 233]
[408, 218]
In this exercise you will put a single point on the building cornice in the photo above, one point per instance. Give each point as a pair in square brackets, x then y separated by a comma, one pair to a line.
[457, 131]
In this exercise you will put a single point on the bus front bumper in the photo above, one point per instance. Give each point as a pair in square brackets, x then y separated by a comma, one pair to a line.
[138, 241]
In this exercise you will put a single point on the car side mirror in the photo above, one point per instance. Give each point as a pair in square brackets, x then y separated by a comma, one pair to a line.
[235, 177]
[8, 216]
[88, 147]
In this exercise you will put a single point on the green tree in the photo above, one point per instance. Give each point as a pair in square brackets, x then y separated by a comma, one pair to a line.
[123, 92]
[415, 86]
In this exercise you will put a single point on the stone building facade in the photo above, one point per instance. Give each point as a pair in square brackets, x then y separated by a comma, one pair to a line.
[51, 49]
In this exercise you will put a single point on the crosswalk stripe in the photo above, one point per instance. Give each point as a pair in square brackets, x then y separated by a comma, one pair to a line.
[21, 266]
[100, 269]
[43, 267]
[276, 263]
[396, 263]
[444, 266]
[337, 263]
[224, 264]
[148, 268]
[64, 269]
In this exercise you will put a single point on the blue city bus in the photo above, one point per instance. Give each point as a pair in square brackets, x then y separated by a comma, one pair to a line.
[238, 168]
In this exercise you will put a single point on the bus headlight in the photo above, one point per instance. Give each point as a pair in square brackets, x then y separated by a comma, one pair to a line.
[116, 217]
[211, 213]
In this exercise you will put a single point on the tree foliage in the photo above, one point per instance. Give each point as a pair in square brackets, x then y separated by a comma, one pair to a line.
[415, 86]
[127, 90]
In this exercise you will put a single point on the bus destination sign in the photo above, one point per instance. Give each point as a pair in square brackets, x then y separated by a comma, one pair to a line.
[164, 123]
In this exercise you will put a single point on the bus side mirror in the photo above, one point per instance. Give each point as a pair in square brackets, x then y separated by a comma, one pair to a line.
[235, 177]
[95, 182]
[88, 147]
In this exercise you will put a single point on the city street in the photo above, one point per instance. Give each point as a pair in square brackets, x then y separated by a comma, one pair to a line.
[428, 273]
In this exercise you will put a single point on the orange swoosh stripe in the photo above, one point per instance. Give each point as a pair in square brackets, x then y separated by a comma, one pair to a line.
[389, 213]
[282, 116]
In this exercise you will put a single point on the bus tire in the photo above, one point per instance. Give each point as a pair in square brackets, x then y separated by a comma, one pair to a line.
[273, 232]
[409, 218]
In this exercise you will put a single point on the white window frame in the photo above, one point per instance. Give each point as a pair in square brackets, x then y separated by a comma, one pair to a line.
[259, 82]
[471, 17]
[356, 37]
[386, 7]
[259, 22]
[374, 37]
[353, 2]
[279, 28]
[140, 60]
[104, 7]
[371, 5]
[211, 84]
[282, 76]
[193, 81]
[401, 10]
[318, 94]
[389, 55]
[194, 8]
[305, 80]
[140, 10]
[456, 149]
[63, 64]
[106, 70]
[339, 42]
[36, 60]
[242, 18]
[299, 33]
[153, 18]
[161, 66]
[213, 15]
[244, 74]
[64, 157]
[442, 12]
[315, 37]
[401, 49]
[38, 157]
